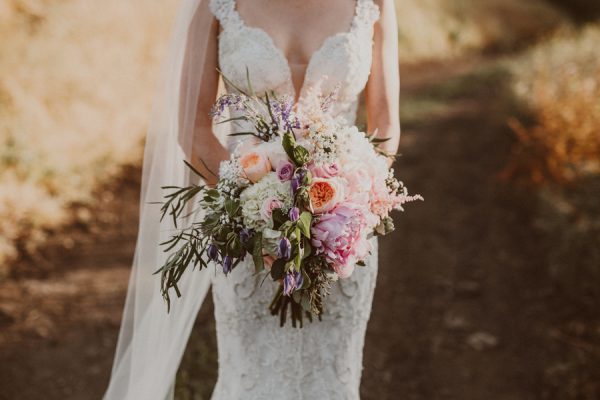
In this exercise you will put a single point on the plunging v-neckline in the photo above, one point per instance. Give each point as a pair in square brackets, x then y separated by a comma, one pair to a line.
[281, 54]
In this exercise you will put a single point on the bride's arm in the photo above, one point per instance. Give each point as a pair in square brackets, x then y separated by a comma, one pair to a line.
[383, 88]
[206, 148]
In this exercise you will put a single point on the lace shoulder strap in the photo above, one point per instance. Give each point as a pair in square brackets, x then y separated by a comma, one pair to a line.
[367, 12]
[225, 12]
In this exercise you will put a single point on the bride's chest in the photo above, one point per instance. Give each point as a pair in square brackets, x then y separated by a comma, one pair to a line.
[342, 61]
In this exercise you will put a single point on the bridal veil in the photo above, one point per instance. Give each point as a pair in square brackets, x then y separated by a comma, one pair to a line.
[151, 341]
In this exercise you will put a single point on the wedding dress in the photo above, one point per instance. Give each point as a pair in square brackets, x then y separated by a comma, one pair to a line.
[323, 360]
[257, 358]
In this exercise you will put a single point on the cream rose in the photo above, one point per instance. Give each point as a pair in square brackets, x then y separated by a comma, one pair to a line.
[325, 194]
[275, 152]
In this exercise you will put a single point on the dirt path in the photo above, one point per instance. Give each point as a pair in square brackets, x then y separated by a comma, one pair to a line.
[464, 308]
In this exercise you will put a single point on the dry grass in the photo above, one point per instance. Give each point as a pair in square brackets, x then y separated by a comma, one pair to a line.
[559, 83]
[434, 29]
[76, 82]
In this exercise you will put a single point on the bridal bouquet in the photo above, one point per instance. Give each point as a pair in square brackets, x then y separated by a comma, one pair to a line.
[301, 196]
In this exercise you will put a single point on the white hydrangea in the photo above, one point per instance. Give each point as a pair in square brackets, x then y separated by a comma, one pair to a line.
[253, 197]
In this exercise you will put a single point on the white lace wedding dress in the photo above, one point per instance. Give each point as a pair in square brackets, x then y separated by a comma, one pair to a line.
[257, 358]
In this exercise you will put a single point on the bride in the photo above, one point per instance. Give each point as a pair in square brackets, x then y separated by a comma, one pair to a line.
[293, 48]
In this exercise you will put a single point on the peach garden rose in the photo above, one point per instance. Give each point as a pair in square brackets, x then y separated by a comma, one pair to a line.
[325, 194]
[255, 165]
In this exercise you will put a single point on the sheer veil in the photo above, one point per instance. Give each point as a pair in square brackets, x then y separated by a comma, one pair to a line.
[152, 341]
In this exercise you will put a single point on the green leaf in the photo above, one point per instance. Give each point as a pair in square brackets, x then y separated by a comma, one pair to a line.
[278, 269]
[232, 120]
[232, 207]
[304, 223]
[214, 193]
[234, 246]
[190, 166]
[243, 134]
[379, 140]
[231, 83]
[249, 82]
[307, 249]
[257, 256]
[268, 104]
[279, 218]
[305, 280]
[299, 256]
[297, 296]
[305, 302]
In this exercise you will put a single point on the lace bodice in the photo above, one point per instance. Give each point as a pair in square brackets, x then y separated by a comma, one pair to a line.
[257, 358]
[343, 60]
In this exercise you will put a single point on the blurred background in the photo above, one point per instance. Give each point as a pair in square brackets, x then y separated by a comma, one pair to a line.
[496, 292]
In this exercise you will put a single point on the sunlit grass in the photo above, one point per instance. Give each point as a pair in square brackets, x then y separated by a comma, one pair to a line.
[558, 82]
[76, 82]
[434, 29]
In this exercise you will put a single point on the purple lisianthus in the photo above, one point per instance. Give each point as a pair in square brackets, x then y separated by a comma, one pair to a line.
[293, 280]
[294, 214]
[227, 264]
[285, 171]
[213, 252]
[295, 185]
[284, 249]
[245, 235]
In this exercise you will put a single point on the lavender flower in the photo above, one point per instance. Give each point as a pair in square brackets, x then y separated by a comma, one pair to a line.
[283, 114]
[227, 263]
[213, 252]
[294, 214]
[293, 280]
[228, 100]
[284, 249]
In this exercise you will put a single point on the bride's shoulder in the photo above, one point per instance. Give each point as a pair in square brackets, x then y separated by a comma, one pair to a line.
[223, 10]
[221, 7]
[369, 10]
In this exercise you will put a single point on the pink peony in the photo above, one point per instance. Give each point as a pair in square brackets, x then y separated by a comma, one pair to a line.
[270, 204]
[340, 236]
